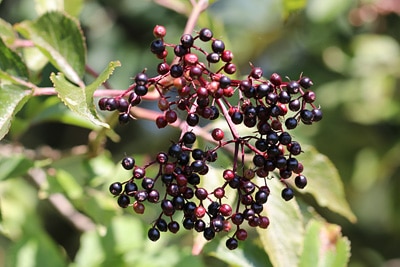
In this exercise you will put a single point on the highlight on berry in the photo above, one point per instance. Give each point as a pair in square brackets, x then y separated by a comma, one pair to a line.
[200, 86]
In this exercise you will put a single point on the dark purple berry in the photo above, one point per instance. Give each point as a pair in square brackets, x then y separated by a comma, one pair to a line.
[237, 117]
[294, 105]
[292, 87]
[128, 163]
[317, 114]
[205, 34]
[180, 51]
[173, 226]
[115, 188]
[175, 150]
[291, 123]
[189, 138]
[208, 233]
[287, 194]
[306, 82]
[123, 105]
[192, 119]
[153, 234]
[123, 118]
[162, 225]
[213, 57]
[306, 116]
[300, 181]
[141, 78]
[218, 46]
[187, 40]
[141, 90]
[294, 148]
[285, 138]
[176, 71]
[123, 201]
[111, 104]
[130, 188]
[157, 46]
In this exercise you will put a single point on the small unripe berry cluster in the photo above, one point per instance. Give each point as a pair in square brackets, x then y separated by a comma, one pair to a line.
[202, 90]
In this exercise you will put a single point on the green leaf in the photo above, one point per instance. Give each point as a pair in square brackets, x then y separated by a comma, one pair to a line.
[283, 240]
[11, 63]
[324, 182]
[60, 39]
[324, 246]
[247, 254]
[7, 32]
[12, 98]
[68, 183]
[13, 166]
[80, 99]
[53, 110]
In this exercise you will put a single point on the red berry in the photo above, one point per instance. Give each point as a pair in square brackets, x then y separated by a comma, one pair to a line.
[217, 134]
[191, 59]
[171, 116]
[200, 211]
[225, 209]
[228, 175]
[159, 31]
[161, 122]
[138, 207]
[275, 79]
[241, 234]
[227, 56]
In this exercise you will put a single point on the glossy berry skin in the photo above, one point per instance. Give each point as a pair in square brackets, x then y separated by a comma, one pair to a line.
[128, 163]
[141, 90]
[189, 138]
[300, 181]
[218, 46]
[159, 31]
[176, 71]
[205, 34]
[141, 78]
[217, 134]
[192, 119]
[291, 123]
[306, 82]
[115, 188]
[287, 193]
[157, 46]
[123, 201]
[187, 40]
[231, 243]
[153, 234]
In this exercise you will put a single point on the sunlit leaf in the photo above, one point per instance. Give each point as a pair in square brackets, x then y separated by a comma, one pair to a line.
[7, 32]
[60, 38]
[283, 239]
[324, 182]
[12, 98]
[80, 100]
[324, 246]
[248, 254]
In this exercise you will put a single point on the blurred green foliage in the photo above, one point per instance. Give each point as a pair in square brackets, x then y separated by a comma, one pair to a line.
[350, 49]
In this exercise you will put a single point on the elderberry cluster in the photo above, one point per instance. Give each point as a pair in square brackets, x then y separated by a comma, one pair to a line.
[197, 89]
